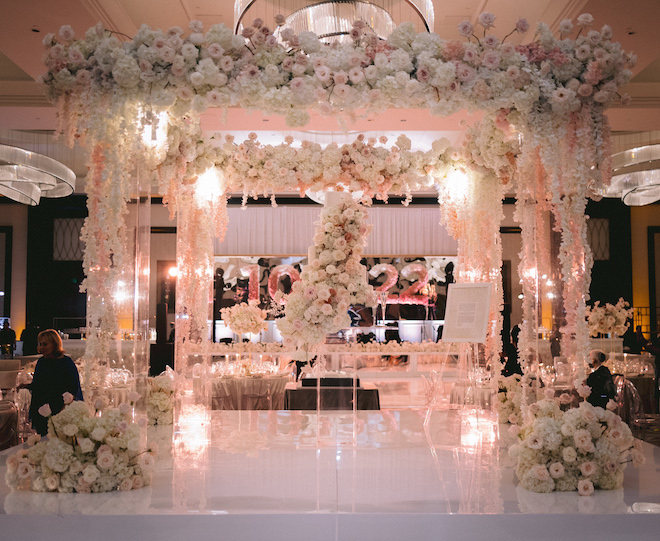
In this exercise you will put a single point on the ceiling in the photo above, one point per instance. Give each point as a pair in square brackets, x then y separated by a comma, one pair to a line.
[23, 106]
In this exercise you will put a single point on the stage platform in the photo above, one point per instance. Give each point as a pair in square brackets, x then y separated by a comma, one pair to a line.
[285, 475]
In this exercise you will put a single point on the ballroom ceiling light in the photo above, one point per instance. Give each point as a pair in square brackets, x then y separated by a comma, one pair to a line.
[636, 176]
[26, 176]
[332, 20]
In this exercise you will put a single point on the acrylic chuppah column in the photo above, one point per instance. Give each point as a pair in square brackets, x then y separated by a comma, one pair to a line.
[197, 203]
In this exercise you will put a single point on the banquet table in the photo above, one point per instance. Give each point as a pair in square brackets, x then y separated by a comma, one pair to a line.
[297, 397]
[248, 392]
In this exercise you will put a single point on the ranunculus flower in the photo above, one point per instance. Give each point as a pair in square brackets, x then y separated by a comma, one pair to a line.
[68, 398]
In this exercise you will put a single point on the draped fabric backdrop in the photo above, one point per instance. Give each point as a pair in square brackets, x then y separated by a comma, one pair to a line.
[398, 230]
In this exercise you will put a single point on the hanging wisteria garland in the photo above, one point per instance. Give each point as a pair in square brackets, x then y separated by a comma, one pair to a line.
[487, 161]
[562, 82]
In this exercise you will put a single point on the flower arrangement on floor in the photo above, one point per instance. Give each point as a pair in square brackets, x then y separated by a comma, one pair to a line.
[610, 318]
[84, 452]
[333, 280]
[580, 449]
[245, 318]
[509, 398]
[161, 399]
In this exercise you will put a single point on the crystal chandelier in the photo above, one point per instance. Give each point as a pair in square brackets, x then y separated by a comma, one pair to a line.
[332, 20]
[636, 176]
[26, 176]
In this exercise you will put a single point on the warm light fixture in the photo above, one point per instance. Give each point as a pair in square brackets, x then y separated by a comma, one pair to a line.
[26, 176]
[636, 176]
[332, 20]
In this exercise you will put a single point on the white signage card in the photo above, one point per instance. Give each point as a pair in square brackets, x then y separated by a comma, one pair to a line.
[466, 315]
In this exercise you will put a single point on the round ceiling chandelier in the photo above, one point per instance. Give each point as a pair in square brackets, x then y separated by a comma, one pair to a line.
[332, 20]
[636, 176]
[26, 176]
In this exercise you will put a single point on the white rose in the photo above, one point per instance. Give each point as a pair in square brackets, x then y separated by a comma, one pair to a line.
[90, 474]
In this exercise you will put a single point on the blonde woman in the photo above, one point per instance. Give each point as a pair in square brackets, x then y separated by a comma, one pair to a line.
[54, 375]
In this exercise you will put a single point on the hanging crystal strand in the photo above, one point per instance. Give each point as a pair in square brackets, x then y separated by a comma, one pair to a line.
[526, 215]
[140, 368]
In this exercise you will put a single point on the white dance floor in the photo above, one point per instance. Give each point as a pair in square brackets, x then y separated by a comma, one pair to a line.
[379, 475]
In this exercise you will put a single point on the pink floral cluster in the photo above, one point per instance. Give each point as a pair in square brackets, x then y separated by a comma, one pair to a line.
[287, 73]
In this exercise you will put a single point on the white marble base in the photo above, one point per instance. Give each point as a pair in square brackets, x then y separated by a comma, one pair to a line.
[295, 475]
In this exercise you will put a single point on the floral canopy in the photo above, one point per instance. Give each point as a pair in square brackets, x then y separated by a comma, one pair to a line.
[544, 137]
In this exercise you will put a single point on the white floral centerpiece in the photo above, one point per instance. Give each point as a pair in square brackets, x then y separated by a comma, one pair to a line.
[161, 399]
[84, 453]
[333, 280]
[245, 318]
[609, 318]
[580, 449]
[509, 398]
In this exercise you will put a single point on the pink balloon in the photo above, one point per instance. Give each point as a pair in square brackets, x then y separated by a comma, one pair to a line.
[275, 277]
[391, 276]
[409, 296]
[252, 272]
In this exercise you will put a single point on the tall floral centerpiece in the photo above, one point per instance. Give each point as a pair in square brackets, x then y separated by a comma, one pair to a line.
[580, 449]
[85, 452]
[245, 317]
[333, 279]
[610, 318]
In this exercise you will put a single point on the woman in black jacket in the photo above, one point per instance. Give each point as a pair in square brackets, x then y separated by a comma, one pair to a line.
[54, 375]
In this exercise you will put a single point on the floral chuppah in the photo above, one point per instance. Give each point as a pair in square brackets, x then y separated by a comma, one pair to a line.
[554, 89]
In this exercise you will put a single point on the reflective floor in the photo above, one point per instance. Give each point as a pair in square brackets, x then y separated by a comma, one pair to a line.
[286, 474]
